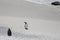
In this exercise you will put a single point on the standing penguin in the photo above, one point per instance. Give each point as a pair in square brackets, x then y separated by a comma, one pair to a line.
[9, 32]
[26, 25]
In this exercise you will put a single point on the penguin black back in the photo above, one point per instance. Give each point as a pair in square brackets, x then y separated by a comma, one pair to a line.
[9, 33]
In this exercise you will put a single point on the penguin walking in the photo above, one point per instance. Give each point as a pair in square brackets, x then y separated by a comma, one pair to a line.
[9, 33]
[26, 25]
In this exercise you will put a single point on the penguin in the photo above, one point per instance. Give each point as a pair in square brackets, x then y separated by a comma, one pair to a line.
[9, 33]
[26, 25]
[55, 3]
